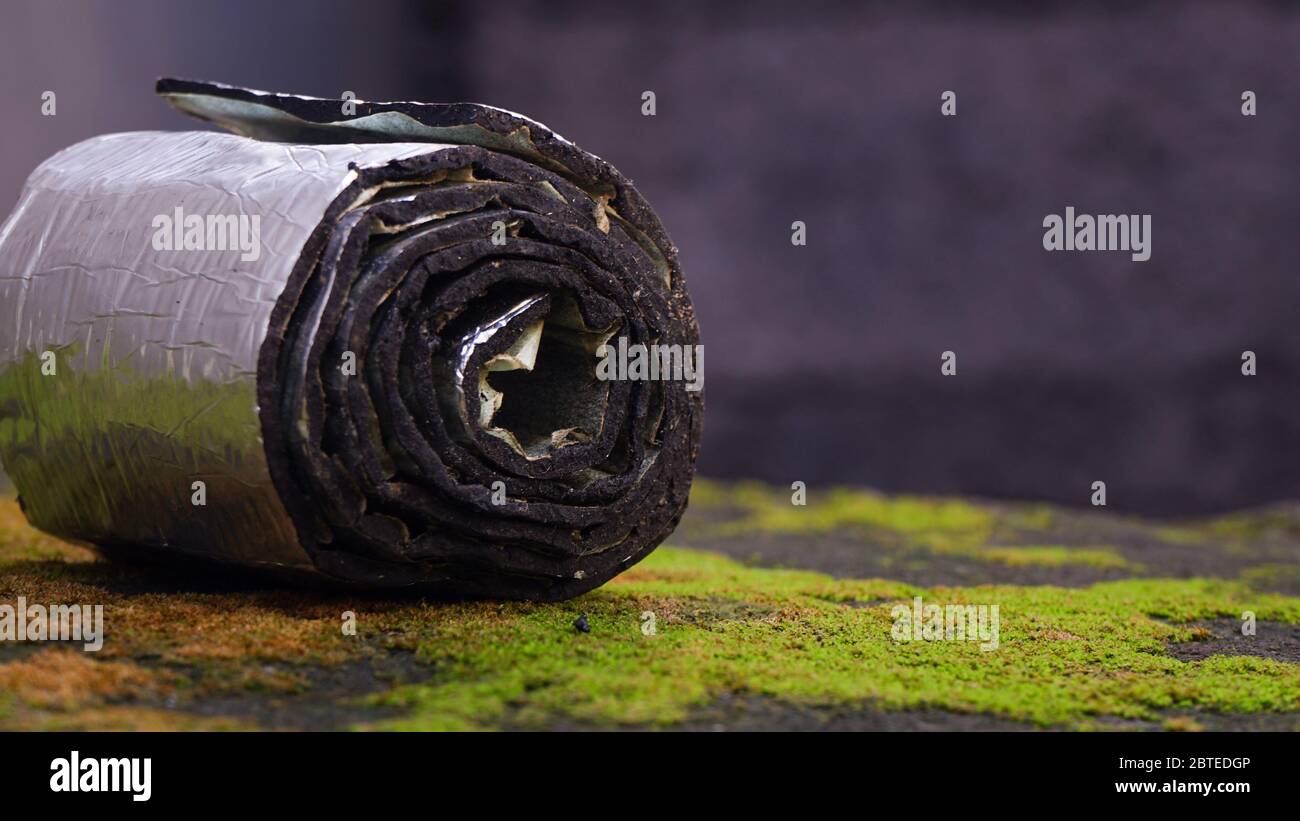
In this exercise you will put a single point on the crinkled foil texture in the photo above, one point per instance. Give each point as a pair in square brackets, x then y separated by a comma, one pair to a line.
[353, 400]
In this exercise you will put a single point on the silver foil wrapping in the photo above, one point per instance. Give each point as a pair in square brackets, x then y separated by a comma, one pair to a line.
[356, 347]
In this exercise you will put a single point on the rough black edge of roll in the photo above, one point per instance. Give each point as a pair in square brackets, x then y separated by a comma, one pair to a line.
[586, 169]
[323, 124]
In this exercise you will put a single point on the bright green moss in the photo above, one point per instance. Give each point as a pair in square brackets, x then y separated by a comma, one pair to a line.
[1235, 528]
[840, 508]
[1064, 656]
[1052, 556]
[1073, 657]
[944, 526]
[1273, 574]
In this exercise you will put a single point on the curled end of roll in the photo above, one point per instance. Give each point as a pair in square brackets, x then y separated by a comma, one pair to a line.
[449, 389]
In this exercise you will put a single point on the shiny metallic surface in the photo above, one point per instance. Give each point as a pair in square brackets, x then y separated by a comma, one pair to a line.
[154, 352]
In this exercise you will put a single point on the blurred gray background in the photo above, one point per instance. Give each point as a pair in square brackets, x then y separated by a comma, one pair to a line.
[924, 232]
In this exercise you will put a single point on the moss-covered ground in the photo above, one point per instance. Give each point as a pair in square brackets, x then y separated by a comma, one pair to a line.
[759, 613]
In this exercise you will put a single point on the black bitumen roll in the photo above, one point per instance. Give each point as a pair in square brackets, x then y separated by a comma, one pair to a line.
[430, 406]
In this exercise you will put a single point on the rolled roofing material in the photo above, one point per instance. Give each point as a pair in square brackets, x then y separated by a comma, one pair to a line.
[359, 346]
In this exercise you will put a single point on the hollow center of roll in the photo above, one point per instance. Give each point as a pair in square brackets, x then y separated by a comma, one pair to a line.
[543, 394]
